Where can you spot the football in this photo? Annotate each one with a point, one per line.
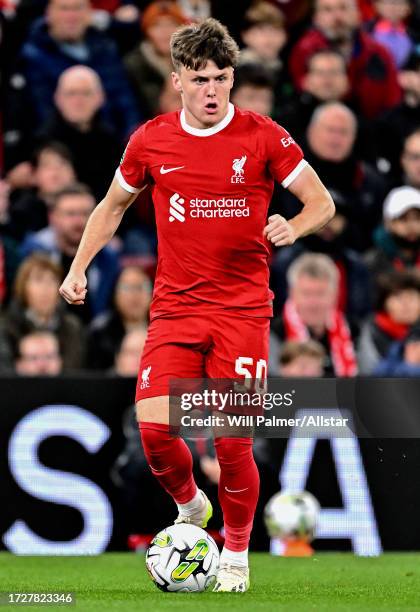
(182, 558)
(292, 516)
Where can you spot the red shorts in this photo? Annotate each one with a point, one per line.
(214, 345)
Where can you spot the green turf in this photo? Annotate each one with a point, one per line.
(332, 582)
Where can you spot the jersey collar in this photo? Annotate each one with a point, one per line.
(211, 130)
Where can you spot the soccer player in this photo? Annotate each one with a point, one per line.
(211, 167)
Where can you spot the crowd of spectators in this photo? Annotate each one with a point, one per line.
(343, 76)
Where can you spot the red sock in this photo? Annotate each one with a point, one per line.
(170, 460)
(238, 489)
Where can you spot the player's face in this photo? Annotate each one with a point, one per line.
(205, 93)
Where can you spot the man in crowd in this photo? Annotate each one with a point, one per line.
(397, 241)
(64, 38)
(371, 69)
(52, 170)
(330, 147)
(69, 214)
(94, 146)
(311, 312)
(396, 124)
(325, 80)
(39, 355)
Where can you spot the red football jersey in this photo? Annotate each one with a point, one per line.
(211, 191)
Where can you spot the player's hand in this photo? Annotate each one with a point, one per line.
(73, 289)
(279, 231)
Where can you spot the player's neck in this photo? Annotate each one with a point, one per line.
(192, 126)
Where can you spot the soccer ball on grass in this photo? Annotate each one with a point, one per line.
(182, 558)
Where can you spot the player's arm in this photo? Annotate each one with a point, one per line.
(318, 209)
(101, 226)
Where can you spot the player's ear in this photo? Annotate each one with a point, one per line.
(232, 78)
(176, 82)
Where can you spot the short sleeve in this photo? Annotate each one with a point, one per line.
(132, 171)
(285, 157)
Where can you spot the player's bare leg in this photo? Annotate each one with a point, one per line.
(171, 461)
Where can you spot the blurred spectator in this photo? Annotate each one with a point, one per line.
(325, 80)
(302, 359)
(195, 10)
(398, 239)
(311, 312)
(119, 19)
(367, 10)
(397, 309)
(295, 11)
(330, 149)
(395, 125)
(64, 38)
(9, 248)
(371, 69)
(169, 98)
(264, 36)
(410, 159)
(38, 355)
(53, 171)
(389, 28)
(403, 359)
(94, 146)
(253, 89)
(68, 216)
(36, 306)
(150, 64)
(127, 358)
(130, 310)
(354, 295)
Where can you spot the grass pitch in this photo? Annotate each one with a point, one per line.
(325, 582)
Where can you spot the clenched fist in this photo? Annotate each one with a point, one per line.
(279, 231)
(73, 289)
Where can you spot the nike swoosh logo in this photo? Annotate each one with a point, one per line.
(235, 490)
(164, 170)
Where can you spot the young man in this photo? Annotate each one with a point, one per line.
(212, 167)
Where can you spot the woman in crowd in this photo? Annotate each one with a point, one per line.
(132, 296)
(36, 306)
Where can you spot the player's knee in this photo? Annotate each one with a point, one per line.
(156, 441)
